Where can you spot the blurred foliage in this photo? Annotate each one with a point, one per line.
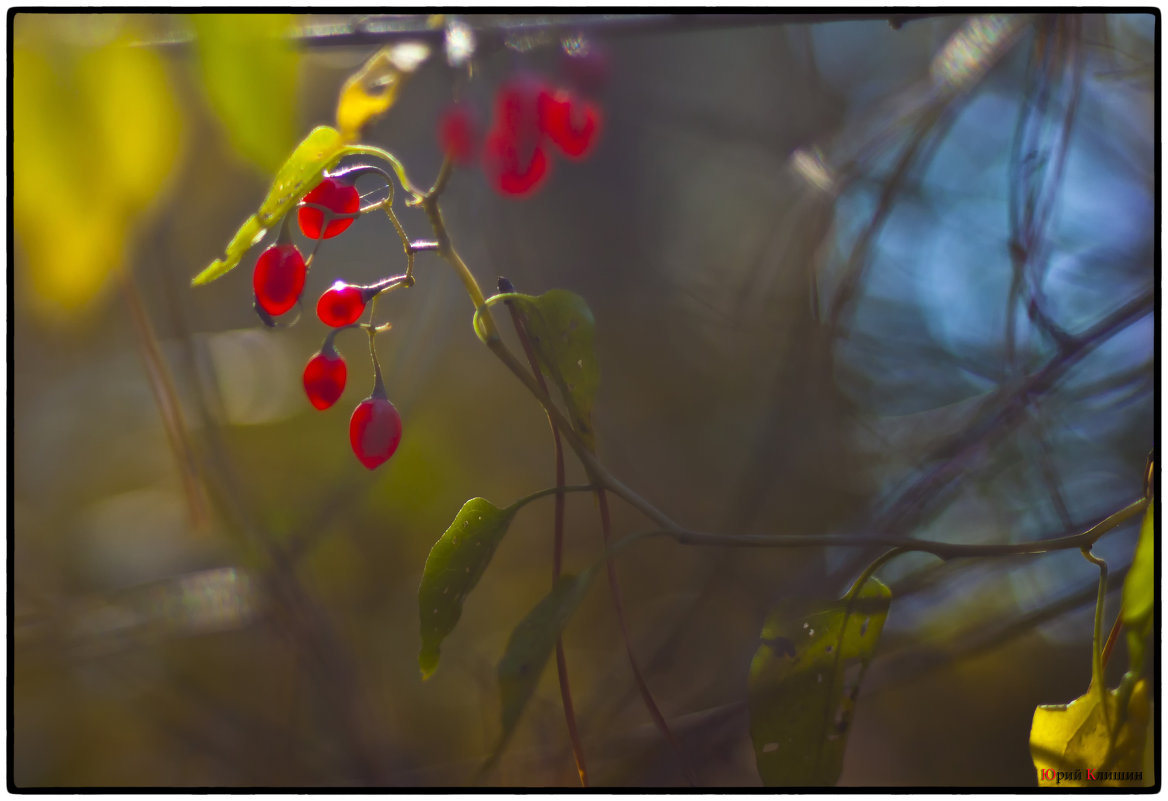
(802, 248)
(250, 72)
(804, 682)
(560, 327)
(98, 132)
(1139, 592)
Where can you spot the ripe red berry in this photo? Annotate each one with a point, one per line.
(458, 133)
(337, 195)
(510, 168)
(278, 278)
(375, 430)
(570, 121)
(341, 304)
(324, 378)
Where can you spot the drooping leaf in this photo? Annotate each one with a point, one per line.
(249, 70)
(453, 568)
(560, 326)
(301, 172)
(372, 90)
(1139, 592)
(1072, 744)
(530, 646)
(804, 681)
(96, 131)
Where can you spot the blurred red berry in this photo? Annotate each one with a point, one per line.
(375, 430)
(341, 304)
(324, 378)
(517, 109)
(571, 122)
(458, 133)
(278, 278)
(340, 197)
(511, 168)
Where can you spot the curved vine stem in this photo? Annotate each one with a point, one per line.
(604, 481)
(1098, 683)
(557, 541)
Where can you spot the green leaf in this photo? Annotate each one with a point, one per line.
(249, 69)
(301, 172)
(560, 326)
(1139, 592)
(804, 681)
(1068, 740)
(529, 647)
(453, 568)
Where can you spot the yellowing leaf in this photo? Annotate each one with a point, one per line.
(303, 170)
(96, 133)
(249, 70)
(372, 90)
(804, 681)
(1073, 745)
(1139, 591)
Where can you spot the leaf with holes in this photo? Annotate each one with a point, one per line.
(372, 90)
(453, 568)
(301, 172)
(1071, 744)
(560, 326)
(804, 681)
(1139, 592)
(529, 647)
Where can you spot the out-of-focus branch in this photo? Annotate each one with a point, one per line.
(496, 29)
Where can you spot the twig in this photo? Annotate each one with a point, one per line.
(557, 540)
(375, 30)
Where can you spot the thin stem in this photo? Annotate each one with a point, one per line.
(557, 545)
(942, 550)
(543, 493)
(379, 29)
(1112, 637)
(1097, 681)
(642, 686)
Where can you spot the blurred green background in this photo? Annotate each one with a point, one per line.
(210, 590)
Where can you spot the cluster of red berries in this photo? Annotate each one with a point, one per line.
(528, 114)
(375, 427)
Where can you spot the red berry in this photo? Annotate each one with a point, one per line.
(517, 109)
(324, 378)
(512, 169)
(375, 430)
(278, 278)
(570, 121)
(458, 133)
(341, 304)
(340, 197)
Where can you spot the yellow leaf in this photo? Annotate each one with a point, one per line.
(372, 90)
(1072, 745)
(96, 133)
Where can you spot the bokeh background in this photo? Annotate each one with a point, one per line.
(826, 262)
